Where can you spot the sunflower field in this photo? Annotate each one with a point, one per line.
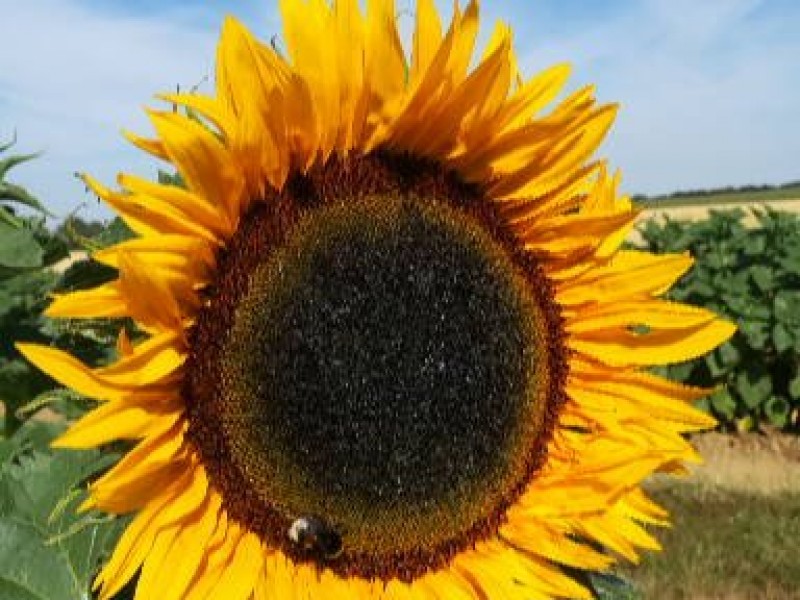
(751, 274)
(376, 335)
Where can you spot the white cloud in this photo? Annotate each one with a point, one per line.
(709, 90)
(72, 77)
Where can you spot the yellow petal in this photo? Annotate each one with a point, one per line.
(179, 253)
(658, 314)
(462, 105)
(154, 147)
(147, 587)
(175, 576)
(541, 539)
(385, 69)
(202, 160)
(130, 483)
(173, 210)
(239, 578)
(137, 539)
(150, 215)
(602, 405)
(124, 346)
(304, 25)
(555, 166)
(629, 275)
(427, 37)
(121, 419)
(625, 348)
(567, 235)
(70, 372)
(269, 108)
(349, 35)
(153, 361)
(103, 302)
(150, 300)
(532, 97)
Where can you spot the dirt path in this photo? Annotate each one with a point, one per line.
(765, 464)
(66, 263)
(695, 213)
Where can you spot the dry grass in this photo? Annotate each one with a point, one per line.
(699, 212)
(736, 533)
(724, 544)
(762, 464)
(752, 463)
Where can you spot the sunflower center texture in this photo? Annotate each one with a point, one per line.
(382, 385)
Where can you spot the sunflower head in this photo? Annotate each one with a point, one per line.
(392, 347)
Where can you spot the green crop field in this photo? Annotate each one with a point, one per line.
(724, 197)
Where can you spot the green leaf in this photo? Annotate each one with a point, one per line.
(703, 404)
(713, 361)
(43, 479)
(18, 194)
(782, 338)
(745, 424)
(7, 217)
(794, 387)
(116, 232)
(787, 306)
(36, 435)
(28, 564)
(64, 401)
(791, 265)
(12, 161)
(54, 248)
(723, 403)
(729, 354)
(7, 451)
(175, 179)
(19, 248)
(755, 332)
(754, 245)
(18, 384)
(85, 274)
(763, 277)
(680, 372)
(777, 411)
(12, 591)
(702, 289)
(746, 306)
(42, 490)
(754, 385)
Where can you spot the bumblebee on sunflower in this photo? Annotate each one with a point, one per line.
(394, 349)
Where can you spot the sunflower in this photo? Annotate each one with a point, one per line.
(392, 347)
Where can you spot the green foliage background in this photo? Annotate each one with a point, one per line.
(751, 275)
(48, 550)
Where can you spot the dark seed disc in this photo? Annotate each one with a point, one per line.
(385, 370)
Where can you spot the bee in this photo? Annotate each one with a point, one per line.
(313, 535)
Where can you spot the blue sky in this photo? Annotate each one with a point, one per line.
(709, 89)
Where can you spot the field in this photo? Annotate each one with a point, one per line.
(736, 517)
(735, 197)
(736, 524)
(701, 211)
(680, 209)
